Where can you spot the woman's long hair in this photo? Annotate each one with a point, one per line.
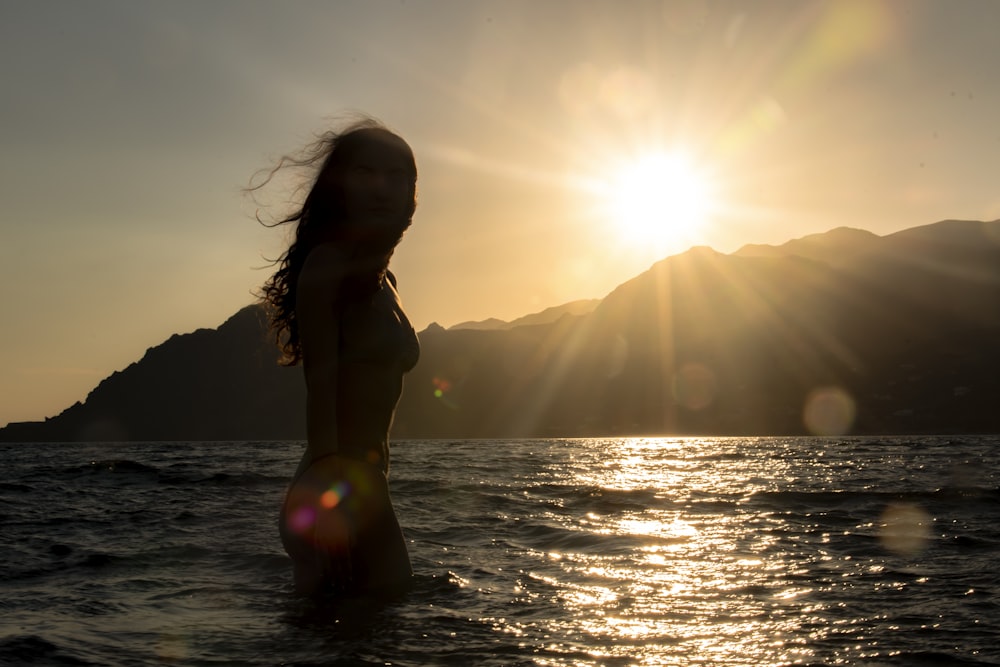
(321, 218)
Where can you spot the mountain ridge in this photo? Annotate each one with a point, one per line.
(899, 329)
(551, 314)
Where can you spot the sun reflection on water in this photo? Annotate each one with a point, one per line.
(671, 577)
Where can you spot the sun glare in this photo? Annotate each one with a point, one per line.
(659, 201)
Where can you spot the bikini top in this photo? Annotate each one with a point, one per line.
(376, 331)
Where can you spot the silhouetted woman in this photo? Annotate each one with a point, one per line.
(335, 308)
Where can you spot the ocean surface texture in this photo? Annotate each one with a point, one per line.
(645, 551)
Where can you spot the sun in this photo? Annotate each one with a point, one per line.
(658, 200)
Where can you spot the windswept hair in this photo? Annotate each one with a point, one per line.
(321, 218)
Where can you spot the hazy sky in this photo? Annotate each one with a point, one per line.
(130, 128)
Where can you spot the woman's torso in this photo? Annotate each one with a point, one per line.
(376, 346)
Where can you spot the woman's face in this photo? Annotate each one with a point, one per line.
(377, 186)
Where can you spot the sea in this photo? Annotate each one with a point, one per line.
(568, 552)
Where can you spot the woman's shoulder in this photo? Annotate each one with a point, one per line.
(324, 268)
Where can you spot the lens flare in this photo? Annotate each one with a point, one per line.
(172, 647)
(829, 411)
(905, 529)
(332, 496)
(442, 387)
(694, 386)
(302, 519)
(625, 92)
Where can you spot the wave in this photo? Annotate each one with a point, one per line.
(525, 553)
(843, 498)
(113, 466)
(32, 649)
(131, 471)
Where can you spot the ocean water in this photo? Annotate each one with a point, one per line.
(621, 551)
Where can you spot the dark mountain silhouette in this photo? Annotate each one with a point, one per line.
(488, 324)
(547, 316)
(832, 333)
(832, 247)
(220, 384)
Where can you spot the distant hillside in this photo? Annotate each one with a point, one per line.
(833, 247)
(547, 316)
(212, 384)
(837, 332)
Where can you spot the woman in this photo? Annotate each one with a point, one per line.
(335, 308)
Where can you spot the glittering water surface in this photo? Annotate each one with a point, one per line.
(649, 551)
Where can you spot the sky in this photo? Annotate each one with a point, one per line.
(129, 131)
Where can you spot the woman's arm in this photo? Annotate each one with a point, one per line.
(315, 310)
